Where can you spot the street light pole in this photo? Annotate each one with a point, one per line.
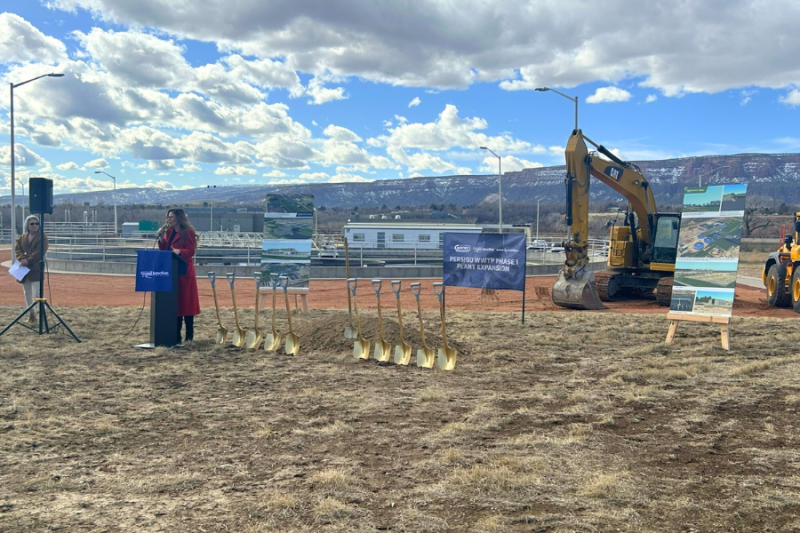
(537, 215)
(116, 228)
(573, 98)
(13, 86)
(499, 187)
(713, 170)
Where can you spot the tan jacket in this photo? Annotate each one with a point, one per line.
(32, 252)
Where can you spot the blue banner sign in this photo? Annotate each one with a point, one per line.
(153, 271)
(485, 260)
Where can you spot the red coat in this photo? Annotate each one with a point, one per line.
(186, 242)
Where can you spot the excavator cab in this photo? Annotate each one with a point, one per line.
(665, 243)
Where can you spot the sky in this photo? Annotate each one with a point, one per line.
(188, 93)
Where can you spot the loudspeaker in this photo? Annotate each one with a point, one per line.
(41, 195)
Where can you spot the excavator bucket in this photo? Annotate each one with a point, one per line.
(578, 291)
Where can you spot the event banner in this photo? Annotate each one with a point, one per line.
(708, 250)
(286, 247)
(485, 260)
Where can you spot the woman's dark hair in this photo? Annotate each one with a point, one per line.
(183, 220)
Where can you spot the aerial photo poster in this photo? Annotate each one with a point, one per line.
(286, 248)
(708, 250)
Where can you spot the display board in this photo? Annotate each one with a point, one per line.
(708, 250)
(286, 248)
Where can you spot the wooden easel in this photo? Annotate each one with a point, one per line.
(723, 321)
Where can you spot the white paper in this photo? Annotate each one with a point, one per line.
(18, 271)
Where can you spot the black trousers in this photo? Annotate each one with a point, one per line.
(189, 327)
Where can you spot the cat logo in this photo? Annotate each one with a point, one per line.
(613, 172)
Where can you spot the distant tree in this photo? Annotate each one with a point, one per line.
(322, 208)
(383, 207)
(397, 208)
(434, 207)
(750, 222)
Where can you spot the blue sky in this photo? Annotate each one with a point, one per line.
(185, 93)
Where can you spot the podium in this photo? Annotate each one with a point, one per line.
(157, 272)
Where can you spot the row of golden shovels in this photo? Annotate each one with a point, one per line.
(445, 356)
(252, 339)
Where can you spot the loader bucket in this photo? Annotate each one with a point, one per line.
(578, 291)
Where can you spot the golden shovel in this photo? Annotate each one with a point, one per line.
(253, 338)
(426, 355)
(402, 351)
(361, 345)
(272, 341)
(222, 331)
(292, 340)
(238, 333)
(350, 332)
(383, 350)
(445, 357)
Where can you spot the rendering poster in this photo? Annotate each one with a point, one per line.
(708, 250)
(286, 247)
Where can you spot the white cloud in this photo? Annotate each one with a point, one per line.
(415, 43)
(509, 164)
(415, 102)
(274, 174)
(339, 133)
(321, 94)
(237, 170)
(97, 163)
(609, 94)
(71, 165)
(650, 99)
(191, 167)
(23, 156)
(21, 42)
(792, 98)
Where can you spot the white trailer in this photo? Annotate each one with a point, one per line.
(405, 235)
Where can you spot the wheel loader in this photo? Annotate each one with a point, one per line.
(642, 251)
(781, 275)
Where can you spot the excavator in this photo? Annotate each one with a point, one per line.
(641, 252)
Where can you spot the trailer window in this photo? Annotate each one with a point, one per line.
(398, 237)
(358, 237)
(424, 238)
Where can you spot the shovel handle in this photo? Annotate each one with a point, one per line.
(415, 289)
(376, 286)
(285, 284)
(257, 279)
(438, 288)
(212, 277)
(274, 281)
(231, 278)
(352, 284)
(396, 284)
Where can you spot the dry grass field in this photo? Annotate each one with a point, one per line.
(576, 421)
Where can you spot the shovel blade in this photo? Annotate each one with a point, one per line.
(383, 352)
(577, 292)
(446, 358)
(350, 333)
(272, 342)
(402, 354)
(361, 349)
(426, 357)
(222, 334)
(253, 340)
(238, 337)
(292, 344)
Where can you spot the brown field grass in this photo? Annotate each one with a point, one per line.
(573, 422)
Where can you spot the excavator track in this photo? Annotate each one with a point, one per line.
(602, 279)
(664, 291)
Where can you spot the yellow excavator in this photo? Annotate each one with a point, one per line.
(781, 275)
(641, 252)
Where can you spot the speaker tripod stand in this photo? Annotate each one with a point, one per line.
(41, 302)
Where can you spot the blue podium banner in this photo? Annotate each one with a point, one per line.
(485, 260)
(153, 271)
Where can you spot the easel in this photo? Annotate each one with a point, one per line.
(723, 321)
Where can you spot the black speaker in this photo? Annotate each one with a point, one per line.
(40, 192)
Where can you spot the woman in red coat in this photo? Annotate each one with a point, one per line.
(179, 236)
